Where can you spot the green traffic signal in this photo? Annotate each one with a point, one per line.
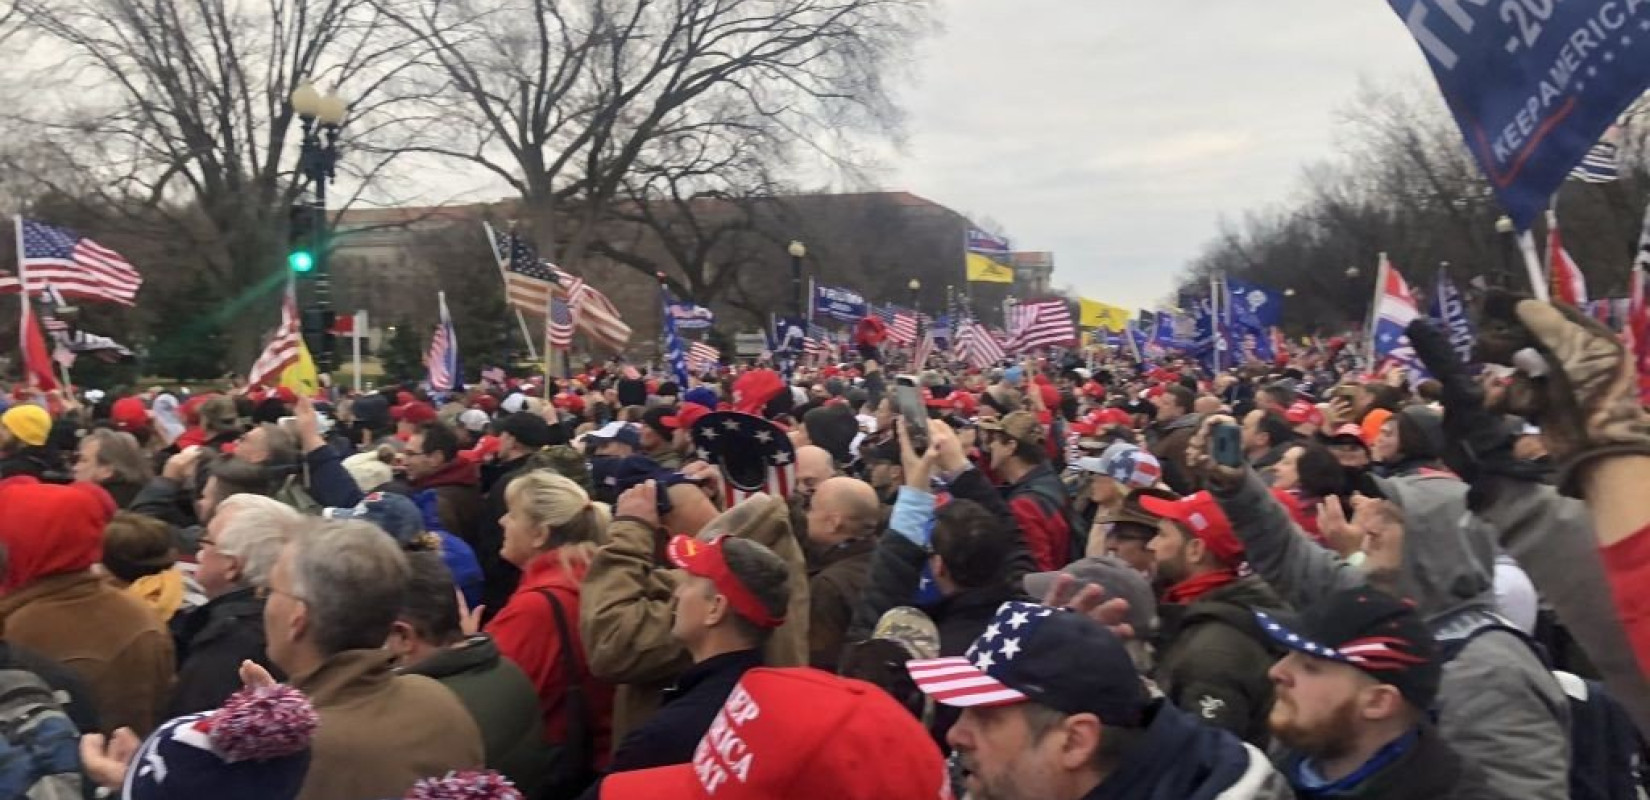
(300, 261)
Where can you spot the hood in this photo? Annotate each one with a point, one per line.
(50, 529)
(1449, 557)
(457, 472)
(1180, 759)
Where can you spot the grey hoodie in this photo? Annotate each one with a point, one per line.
(1499, 706)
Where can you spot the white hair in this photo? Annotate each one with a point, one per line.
(254, 530)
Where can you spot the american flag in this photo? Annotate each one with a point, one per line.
(925, 348)
(558, 329)
(977, 347)
(77, 266)
(282, 351)
(818, 343)
(527, 280)
(594, 314)
(903, 330)
(981, 242)
(753, 455)
(443, 358)
(1602, 164)
(702, 357)
(1041, 323)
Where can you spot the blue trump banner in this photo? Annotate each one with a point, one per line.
(1449, 308)
(674, 351)
(1254, 310)
(1533, 84)
(837, 303)
(689, 316)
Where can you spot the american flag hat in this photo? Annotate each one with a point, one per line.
(1372, 631)
(753, 455)
(1034, 653)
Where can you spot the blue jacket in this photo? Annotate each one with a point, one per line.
(1182, 759)
(689, 708)
(457, 554)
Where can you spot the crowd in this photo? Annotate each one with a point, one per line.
(1066, 580)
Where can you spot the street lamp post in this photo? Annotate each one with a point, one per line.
(321, 118)
(915, 286)
(798, 252)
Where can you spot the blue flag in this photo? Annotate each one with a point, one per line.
(1533, 84)
(675, 353)
(1450, 308)
(1255, 310)
(845, 305)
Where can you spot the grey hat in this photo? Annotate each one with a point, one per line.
(1114, 576)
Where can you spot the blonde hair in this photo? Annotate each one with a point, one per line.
(577, 525)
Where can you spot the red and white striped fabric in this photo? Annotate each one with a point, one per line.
(76, 265)
(1041, 323)
(702, 357)
(1569, 285)
(925, 348)
(958, 683)
(594, 314)
(903, 330)
(977, 347)
(282, 351)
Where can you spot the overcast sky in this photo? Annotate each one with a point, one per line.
(1119, 134)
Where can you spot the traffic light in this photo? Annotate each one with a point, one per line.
(301, 239)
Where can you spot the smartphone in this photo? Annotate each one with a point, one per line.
(908, 404)
(1226, 445)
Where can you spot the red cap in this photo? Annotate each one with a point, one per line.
(1099, 419)
(964, 403)
(570, 402)
(801, 734)
(753, 390)
(1094, 389)
(129, 414)
(191, 408)
(705, 560)
(1348, 429)
(686, 414)
(403, 398)
(1202, 517)
(487, 403)
(1304, 411)
(414, 413)
(285, 395)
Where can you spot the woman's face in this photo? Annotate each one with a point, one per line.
(1385, 450)
(1286, 475)
(522, 539)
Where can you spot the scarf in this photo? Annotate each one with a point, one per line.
(1189, 590)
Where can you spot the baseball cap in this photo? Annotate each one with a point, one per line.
(414, 413)
(29, 423)
(474, 420)
(1033, 653)
(660, 419)
(1303, 412)
(686, 414)
(394, 514)
(622, 432)
(1109, 573)
(1371, 630)
(129, 414)
(706, 560)
(1203, 518)
(800, 734)
(1348, 433)
(1126, 464)
(702, 395)
(753, 390)
(1099, 419)
(911, 629)
(1021, 426)
(531, 430)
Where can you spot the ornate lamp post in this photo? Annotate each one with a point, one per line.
(321, 118)
(798, 252)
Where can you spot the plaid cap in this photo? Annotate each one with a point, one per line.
(1033, 653)
(1021, 426)
(1373, 631)
(1201, 516)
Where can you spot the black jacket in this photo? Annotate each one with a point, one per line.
(1180, 759)
(211, 643)
(32, 461)
(499, 576)
(1427, 768)
(1213, 657)
(687, 711)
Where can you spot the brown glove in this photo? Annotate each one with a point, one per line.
(1588, 402)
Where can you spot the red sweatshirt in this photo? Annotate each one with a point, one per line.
(1627, 563)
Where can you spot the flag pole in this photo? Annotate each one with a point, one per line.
(1375, 310)
(1216, 335)
(22, 293)
(358, 328)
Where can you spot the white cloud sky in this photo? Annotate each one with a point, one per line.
(1119, 134)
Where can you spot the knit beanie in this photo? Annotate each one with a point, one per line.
(256, 747)
(468, 785)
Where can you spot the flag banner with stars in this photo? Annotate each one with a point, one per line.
(77, 266)
(527, 280)
(979, 678)
(1378, 653)
(1533, 85)
(753, 455)
(1394, 309)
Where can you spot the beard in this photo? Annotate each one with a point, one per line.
(1330, 737)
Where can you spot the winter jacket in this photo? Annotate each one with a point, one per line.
(841, 575)
(870, 332)
(31, 461)
(526, 633)
(1038, 501)
(625, 613)
(1551, 538)
(211, 643)
(380, 732)
(329, 483)
(124, 492)
(499, 577)
(1498, 705)
(1181, 759)
(456, 487)
(1168, 441)
(686, 711)
(1425, 767)
(503, 703)
(166, 500)
(1213, 660)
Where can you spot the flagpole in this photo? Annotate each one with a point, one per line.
(1215, 337)
(22, 293)
(358, 328)
(1374, 311)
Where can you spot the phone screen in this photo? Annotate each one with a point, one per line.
(908, 402)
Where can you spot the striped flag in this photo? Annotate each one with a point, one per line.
(1041, 323)
(593, 313)
(925, 348)
(1568, 284)
(977, 347)
(527, 280)
(442, 361)
(558, 329)
(903, 330)
(283, 350)
(702, 358)
(818, 344)
(76, 265)
(1602, 164)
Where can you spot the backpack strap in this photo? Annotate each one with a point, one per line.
(580, 728)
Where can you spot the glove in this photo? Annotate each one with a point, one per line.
(1587, 402)
(1479, 441)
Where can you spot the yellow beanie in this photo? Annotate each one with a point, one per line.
(28, 423)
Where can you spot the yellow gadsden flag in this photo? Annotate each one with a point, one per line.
(300, 377)
(1095, 314)
(985, 269)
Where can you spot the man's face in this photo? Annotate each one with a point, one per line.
(216, 572)
(1001, 759)
(1132, 550)
(1351, 456)
(1315, 710)
(810, 473)
(1251, 431)
(817, 393)
(885, 475)
(694, 599)
(253, 447)
(1386, 443)
(286, 616)
(1000, 448)
(1168, 408)
(651, 440)
(1168, 550)
(420, 462)
(86, 467)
